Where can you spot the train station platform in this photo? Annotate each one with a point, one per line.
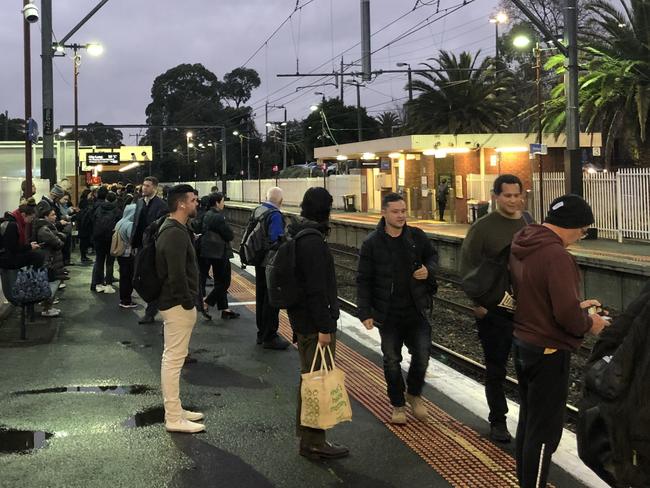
(89, 396)
(631, 254)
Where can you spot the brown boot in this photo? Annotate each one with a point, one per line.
(418, 406)
(399, 416)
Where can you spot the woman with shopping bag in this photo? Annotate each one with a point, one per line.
(313, 320)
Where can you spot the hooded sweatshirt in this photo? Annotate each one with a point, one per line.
(546, 282)
(125, 225)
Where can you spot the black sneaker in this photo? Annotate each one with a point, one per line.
(499, 433)
(277, 343)
(328, 450)
(147, 319)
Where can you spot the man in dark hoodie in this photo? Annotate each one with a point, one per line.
(550, 322)
(395, 281)
(105, 216)
(313, 319)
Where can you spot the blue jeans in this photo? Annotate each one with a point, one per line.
(414, 331)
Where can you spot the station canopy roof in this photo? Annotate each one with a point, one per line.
(429, 142)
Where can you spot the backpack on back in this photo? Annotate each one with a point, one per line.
(489, 284)
(103, 224)
(145, 275)
(284, 289)
(3, 228)
(255, 243)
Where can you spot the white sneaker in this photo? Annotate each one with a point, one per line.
(192, 416)
(109, 289)
(52, 312)
(61, 286)
(184, 425)
(99, 288)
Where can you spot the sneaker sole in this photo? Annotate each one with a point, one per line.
(183, 431)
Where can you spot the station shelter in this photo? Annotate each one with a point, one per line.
(414, 166)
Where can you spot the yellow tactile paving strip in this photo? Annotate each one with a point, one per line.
(455, 451)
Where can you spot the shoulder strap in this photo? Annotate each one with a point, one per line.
(306, 232)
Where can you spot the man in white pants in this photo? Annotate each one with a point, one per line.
(176, 266)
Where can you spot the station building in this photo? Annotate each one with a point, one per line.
(414, 165)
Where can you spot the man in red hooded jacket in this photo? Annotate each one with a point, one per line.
(16, 249)
(550, 322)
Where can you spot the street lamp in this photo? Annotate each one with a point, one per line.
(499, 18)
(94, 49)
(189, 144)
(410, 87)
(521, 42)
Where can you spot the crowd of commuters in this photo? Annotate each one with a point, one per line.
(543, 319)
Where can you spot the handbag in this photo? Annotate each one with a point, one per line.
(118, 246)
(325, 401)
(32, 286)
(489, 284)
(211, 245)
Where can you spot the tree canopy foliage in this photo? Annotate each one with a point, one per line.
(462, 94)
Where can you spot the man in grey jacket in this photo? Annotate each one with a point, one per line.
(176, 266)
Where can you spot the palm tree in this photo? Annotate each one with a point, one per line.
(462, 95)
(614, 92)
(388, 122)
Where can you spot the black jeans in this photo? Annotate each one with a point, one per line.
(543, 390)
(441, 209)
(103, 260)
(84, 244)
(266, 316)
(222, 275)
(495, 333)
(306, 350)
(126, 278)
(414, 331)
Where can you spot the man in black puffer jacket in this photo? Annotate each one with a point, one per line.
(313, 319)
(395, 281)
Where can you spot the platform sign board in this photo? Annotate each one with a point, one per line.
(103, 158)
(538, 149)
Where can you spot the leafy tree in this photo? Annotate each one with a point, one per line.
(11, 129)
(614, 89)
(97, 134)
(462, 95)
(238, 85)
(388, 123)
(337, 125)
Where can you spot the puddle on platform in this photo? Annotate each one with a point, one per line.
(22, 441)
(111, 390)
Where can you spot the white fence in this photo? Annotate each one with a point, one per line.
(294, 188)
(620, 201)
(479, 187)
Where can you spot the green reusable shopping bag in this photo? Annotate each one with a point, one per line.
(325, 401)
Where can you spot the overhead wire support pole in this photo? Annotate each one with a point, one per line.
(365, 40)
(83, 21)
(28, 103)
(572, 159)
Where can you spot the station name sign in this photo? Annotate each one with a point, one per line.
(110, 158)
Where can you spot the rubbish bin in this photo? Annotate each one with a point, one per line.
(482, 209)
(348, 203)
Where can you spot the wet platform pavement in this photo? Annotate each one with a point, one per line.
(92, 394)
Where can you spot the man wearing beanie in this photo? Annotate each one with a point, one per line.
(550, 323)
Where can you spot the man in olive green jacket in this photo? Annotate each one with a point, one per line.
(176, 267)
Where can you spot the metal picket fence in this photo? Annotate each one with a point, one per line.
(620, 201)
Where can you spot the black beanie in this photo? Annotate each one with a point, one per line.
(570, 212)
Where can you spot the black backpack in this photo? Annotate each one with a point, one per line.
(145, 276)
(489, 284)
(255, 242)
(3, 228)
(284, 289)
(103, 223)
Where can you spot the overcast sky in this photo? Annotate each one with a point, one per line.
(144, 38)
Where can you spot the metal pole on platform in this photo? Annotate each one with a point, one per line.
(28, 103)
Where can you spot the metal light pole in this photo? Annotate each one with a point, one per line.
(500, 18)
(538, 76)
(76, 60)
(28, 103)
(259, 177)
